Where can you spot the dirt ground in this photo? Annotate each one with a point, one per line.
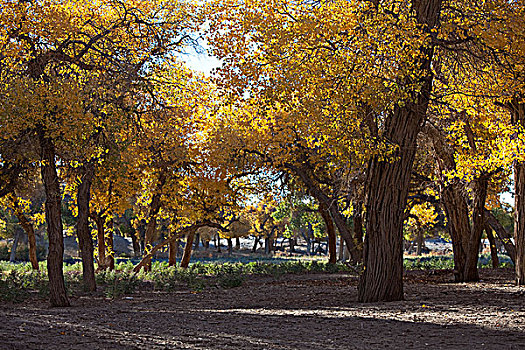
(310, 311)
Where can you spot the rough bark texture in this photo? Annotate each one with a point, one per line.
(470, 272)
(459, 227)
(173, 248)
(330, 229)
(493, 248)
(186, 256)
(152, 218)
(518, 118)
(388, 182)
(55, 258)
(85, 242)
(100, 221)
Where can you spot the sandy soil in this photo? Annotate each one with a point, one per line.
(294, 312)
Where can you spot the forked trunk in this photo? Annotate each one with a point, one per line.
(85, 242)
(55, 257)
(388, 181)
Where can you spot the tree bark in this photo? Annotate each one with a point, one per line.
(151, 225)
(173, 248)
(230, 246)
(237, 243)
(30, 231)
(493, 248)
(186, 256)
(388, 181)
(85, 242)
(502, 234)
(135, 243)
(12, 256)
(330, 229)
(470, 273)
(100, 221)
(55, 257)
(518, 118)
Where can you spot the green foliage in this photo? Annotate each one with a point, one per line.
(117, 283)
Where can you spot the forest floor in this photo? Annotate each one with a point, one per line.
(310, 311)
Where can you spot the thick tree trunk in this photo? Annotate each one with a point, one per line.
(420, 241)
(458, 225)
(186, 256)
(517, 108)
(470, 273)
(230, 246)
(256, 242)
(173, 248)
(152, 219)
(237, 243)
(330, 229)
(519, 222)
(493, 247)
(55, 257)
(388, 181)
(85, 242)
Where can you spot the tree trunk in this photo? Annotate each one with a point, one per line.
(470, 273)
(100, 221)
(502, 234)
(197, 241)
(186, 256)
(354, 248)
(237, 243)
(388, 181)
(12, 256)
(30, 231)
(135, 243)
(341, 247)
(291, 241)
(173, 248)
(85, 241)
(330, 229)
(254, 249)
(420, 241)
(493, 248)
(218, 243)
(152, 218)
(230, 246)
(55, 257)
(518, 118)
